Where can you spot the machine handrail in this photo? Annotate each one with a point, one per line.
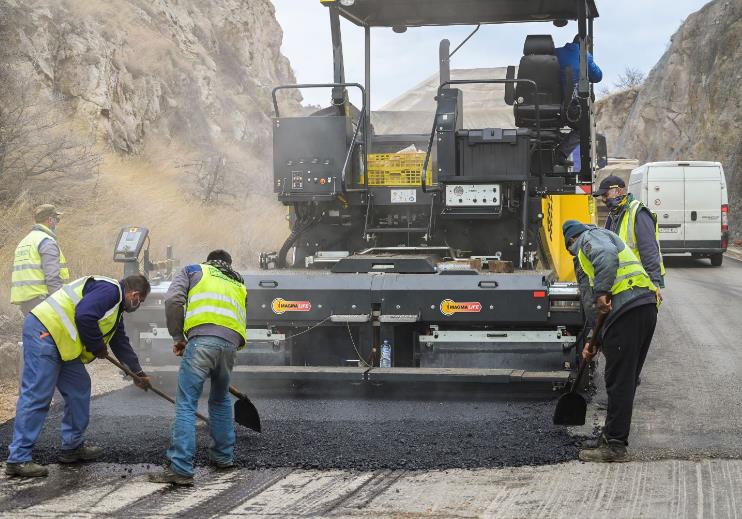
(361, 121)
(483, 81)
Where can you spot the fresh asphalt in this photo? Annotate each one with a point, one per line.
(431, 457)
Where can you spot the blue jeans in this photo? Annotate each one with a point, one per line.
(205, 357)
(43, 370)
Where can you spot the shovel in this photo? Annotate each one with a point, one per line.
(572, 406)
(245, 412)
(152, 388)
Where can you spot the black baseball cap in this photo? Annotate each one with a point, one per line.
(609, 183)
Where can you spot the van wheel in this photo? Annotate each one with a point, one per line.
(716, 260)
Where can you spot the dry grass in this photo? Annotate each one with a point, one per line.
(143, 192)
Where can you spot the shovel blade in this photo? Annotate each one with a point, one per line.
(570, 410)
(246, 414)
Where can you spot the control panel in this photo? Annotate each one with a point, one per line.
(308, 157)
(311, 176)
(129, 244)
(473, 195)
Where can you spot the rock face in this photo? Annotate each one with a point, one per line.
(197, 72)
(690, 104)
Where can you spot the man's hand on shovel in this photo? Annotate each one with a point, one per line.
(141, 380)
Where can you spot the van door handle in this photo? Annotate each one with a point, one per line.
(268, 284)
(693, 215)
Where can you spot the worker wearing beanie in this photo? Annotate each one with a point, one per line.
(613, 278)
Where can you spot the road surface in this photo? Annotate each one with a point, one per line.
(466, 459)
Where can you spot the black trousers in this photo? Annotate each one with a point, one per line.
(625, 346)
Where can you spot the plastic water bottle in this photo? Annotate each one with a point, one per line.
(386, 354)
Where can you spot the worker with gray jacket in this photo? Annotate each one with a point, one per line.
(613, 278)
(39, 267)
(205, 308)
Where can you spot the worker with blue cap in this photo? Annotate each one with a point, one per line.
(614, 283)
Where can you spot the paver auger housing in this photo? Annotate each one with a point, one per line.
(443, 243)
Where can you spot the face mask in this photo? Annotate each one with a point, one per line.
(615, 202)
(573, 249)
(131, 307)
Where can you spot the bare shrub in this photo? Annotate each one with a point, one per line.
(35, 138)
(631, 78)
(214, 176)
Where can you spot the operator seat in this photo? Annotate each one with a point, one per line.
(539, 64)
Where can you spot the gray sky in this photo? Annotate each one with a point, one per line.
(628, 33)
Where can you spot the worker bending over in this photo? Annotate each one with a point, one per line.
(39, 267)
(206, 316)
(70, 328)
(635, 224)
(623, 291)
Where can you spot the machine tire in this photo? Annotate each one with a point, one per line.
(716, 259)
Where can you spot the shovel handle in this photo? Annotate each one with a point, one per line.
(593, 341)
(236, 392)
(152, 388)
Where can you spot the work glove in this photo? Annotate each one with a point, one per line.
(179, 348)
(142, 381)
(102, 353)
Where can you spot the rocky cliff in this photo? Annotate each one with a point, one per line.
(690, 104)
(193, 72)
(160, 92)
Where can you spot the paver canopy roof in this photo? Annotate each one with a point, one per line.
(413, 13)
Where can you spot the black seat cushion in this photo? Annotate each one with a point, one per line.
(539, 64)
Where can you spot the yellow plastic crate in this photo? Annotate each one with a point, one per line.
(397, 169)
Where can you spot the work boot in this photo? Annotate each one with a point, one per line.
(168, 476)
(593, 443)
(220, 465)
(84, 452)
(607, 451)
(28, 469)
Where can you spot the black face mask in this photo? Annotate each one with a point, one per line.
(130, 307)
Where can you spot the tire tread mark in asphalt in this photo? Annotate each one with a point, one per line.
(365, 493)
(54, 486)
(247, 484)
(150, 504)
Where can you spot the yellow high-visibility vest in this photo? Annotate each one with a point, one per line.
(630, 272)
(217, 299)
(627, 230)
(28, 281)
(57, 314)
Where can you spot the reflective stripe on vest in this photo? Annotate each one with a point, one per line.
(57, 314)
(28, 280)
(627, 230)
(217, 299)
(630, 272)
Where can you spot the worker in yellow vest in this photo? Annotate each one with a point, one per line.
(72, 327)
(635, 224)
(613, 278)
(39, 267)
(205, 308)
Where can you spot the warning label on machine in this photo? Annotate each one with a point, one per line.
(450, 307)
(280, 305)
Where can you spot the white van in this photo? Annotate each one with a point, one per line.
(691, 203)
